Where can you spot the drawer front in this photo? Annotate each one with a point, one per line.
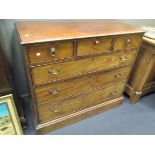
(58, 109)
(50, 51)
(127, 42)
(92, 46)
(59, 71)
(62, 89)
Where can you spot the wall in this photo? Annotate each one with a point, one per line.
(14, 54)
(138, 22)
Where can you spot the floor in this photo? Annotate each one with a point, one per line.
(126, 119)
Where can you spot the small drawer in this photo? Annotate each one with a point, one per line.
(127, 42)
(50, 51)
(79, 85)
(54, 110)
(93, 46)
(64, 70)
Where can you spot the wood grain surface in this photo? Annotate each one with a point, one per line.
(76, 68)
(92, 98)
(75, 86)
(54, 30)
(46, 74)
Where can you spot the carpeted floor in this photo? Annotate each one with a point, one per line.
(126, 119)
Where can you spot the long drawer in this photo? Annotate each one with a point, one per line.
(58, 109)
(63, 89)
(63, 70)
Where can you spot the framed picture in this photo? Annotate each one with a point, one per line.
(9, 120)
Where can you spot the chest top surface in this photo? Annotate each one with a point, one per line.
(54, 30)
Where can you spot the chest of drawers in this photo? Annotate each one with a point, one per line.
(76, 68)
(142, 78)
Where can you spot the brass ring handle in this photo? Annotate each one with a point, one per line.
(54, 71)
(55, 91)
(113, 92)
(56, 110)
(52, 51)
(124, 57)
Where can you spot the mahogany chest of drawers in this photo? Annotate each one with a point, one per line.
(142, 78)
(76, 68)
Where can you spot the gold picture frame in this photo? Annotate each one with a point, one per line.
(9, 120)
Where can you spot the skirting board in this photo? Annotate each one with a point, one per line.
(69, 119)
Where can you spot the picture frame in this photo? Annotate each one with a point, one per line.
(9, 120)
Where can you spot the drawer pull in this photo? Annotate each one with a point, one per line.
(52, 51)
(55, 91)
(97, 42)
(118, 75)
(124, 57)
(54, 71)
(113, 92)
(128, 41)
(56, 110)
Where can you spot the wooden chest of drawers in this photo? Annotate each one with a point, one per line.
(142, 79)
(76, 68)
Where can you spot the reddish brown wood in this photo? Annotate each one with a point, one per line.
(68, 88)
(93, 46)
(80, 102)
(49, 73)
(98, 48)
(53, 30)
(43, 52)
(77, 116)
